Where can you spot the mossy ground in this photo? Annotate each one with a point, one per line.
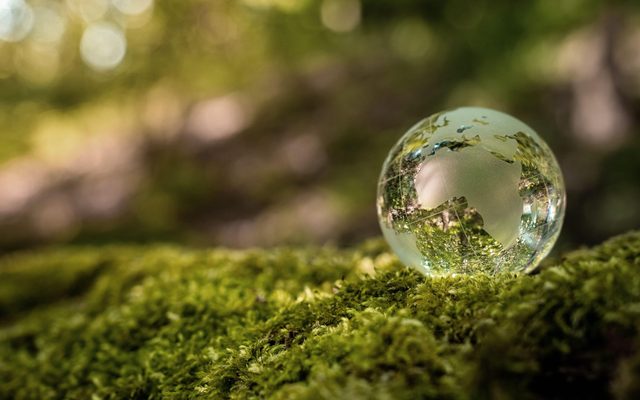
(169, 322)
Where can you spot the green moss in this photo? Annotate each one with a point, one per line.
(169, 322)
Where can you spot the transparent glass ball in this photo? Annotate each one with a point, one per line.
(471, 190)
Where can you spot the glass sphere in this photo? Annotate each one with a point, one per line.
(471, 190)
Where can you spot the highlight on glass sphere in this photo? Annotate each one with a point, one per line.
(471, 190)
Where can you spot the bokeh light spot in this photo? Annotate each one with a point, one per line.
(133, 7)
(16, 20)
(89, 10)
(341, 15)
(103, 46)
(49, 26)
(411, 39)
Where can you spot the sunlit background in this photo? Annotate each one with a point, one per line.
(263, 122)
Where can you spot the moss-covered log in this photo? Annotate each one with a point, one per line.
(168, 322)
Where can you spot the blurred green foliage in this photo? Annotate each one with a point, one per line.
(258, 122)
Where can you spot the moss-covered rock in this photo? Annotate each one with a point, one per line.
(168, 322)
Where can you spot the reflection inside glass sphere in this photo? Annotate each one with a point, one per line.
(471, 190)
